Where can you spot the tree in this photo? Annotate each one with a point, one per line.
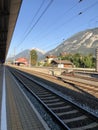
(33, 57)
(80, 60)
(89, 61)
(75, 58)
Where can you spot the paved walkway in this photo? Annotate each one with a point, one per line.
(20, 114)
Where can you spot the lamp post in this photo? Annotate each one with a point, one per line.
(97, 60)
(14, 55)
(30, 59)
(60, 65)
(59, 58)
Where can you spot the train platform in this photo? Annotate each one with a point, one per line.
(16, 110)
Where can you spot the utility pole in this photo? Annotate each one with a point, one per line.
(14, 54)
(60, 65)
(97, 59)
(30, 59)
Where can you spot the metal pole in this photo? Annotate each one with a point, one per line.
(60, 65)
(97, 59)
(14, 54)
(29, 59)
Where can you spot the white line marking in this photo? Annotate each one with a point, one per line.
(33, 107)
(3, 108)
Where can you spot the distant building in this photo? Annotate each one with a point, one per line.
(64, 53)
(97, 59)
(49, 58)
(21, 61)
(62, 63)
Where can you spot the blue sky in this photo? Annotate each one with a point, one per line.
(45, 28)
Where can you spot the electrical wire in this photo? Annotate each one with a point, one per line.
(80, 13)
(34, 25)
(90, 6)
(75, 16)
(37, 12)
(42, 14)
(59, 18)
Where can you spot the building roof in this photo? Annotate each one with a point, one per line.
(50, 56)
(62, 62)
(9, 10)
(22, 59)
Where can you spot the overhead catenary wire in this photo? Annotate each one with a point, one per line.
(81, 13)
(27, 33)
(92, 5)
(33, 18)
(59, 18)
(75, 16)
(34, 25)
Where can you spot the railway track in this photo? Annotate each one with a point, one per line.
(40, 74)
(83, 77)
(86, 84)
(80, 86)
(68, 114)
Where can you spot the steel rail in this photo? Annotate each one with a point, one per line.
(48, 103)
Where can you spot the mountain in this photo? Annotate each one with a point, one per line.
(84, 42)
(39, 51)
(26, 54)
